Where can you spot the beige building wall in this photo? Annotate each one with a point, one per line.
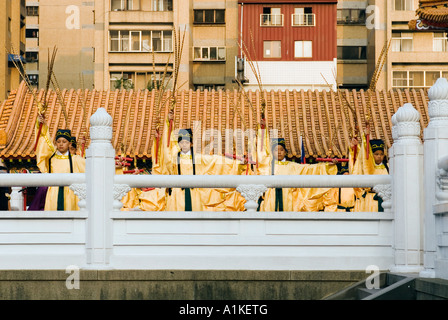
(32, 42)
(140, 66)
(69, 26)
(216, 74)
(415, 59)
(12, 35)
(83, 32)
(352, 38)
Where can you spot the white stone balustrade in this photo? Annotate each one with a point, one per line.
(407, 171)
(415, 197)
(435, 148)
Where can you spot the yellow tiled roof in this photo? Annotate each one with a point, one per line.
(314, 115)
(432, 15)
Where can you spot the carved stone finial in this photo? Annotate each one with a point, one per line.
(407, 113)
(407, 123)
(438, 104)
(101, 125)
(439, 91)
(101, 118)
(394, 127)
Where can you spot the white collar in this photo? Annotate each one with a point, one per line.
(188, 153)
(60, 154)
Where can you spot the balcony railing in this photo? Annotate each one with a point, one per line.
(303, 20)
(271, 20)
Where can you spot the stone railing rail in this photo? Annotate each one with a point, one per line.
(411, 233)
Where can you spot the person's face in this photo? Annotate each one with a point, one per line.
(279, 153)
(72, 149)
(184, 145)
(62, 145)
(378, 156)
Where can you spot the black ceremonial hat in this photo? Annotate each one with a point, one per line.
(377, 144)
(64, 133)
(185, 134)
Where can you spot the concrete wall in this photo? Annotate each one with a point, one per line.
(174, 284)
(68, 25)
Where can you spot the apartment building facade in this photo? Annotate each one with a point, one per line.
(68, 26)
(352, 44)
(12, 35)
(415, 59)
(292, 44)
(128, 43)
(203, 34)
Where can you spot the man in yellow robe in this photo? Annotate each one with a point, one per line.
(56, 158)
(340, 199)
(272, 161)
(131, 200)
(346, 199)
(375, 163)
(178, 157)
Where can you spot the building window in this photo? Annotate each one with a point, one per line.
(32, 11)
(209, 16)
(32, 33)
(34, 79)
(209, 87)
(303, 17)
(272, 49)
(271, 17)
(402, 41)
(400, 79)
(440, 42)
(32, 57)
(209, 53)
(162, 5)
(431, 78)
(416, 79)
(124, 5)
(404, 5)
(139, 80)
(352, 52)
(303, 49)
(122, 80)
(351, 16)
(140, 41)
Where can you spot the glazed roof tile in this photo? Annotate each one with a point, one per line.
(136, 114)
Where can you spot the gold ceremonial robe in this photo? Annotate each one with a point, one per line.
(202, 199)
(154, 199)
(293, 199)
(59, 164)
(369, 199)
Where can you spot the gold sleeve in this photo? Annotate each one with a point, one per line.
(263, 151)
(45, 147)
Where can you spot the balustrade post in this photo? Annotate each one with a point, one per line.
(435, 147)
(16, 201)
(251, 192)
(100, 170)
(407, 186)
